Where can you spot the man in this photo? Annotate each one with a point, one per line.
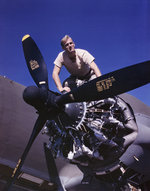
(79, 63)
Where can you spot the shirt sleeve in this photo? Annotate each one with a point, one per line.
(59, 60)
(87, 57)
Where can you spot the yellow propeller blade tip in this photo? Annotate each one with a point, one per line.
(25, 37)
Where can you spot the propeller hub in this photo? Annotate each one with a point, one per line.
(35, 96)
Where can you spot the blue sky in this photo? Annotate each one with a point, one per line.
(115, 32)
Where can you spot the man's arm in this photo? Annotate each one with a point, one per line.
(57, 81)
(95, 68)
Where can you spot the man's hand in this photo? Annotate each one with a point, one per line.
(65, 89)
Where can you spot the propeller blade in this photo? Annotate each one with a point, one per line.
(35, 62)
(108, 85)
(52, 169)
(37, 128)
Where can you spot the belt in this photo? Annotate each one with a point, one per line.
(86, 76)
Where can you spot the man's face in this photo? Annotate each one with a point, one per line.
(69, 46)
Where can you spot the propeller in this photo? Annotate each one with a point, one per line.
(32, 95)
(108, 85)
(49, 103)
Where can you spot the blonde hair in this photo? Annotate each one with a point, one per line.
(64, 39)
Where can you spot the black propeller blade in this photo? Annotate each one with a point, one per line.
(35, 62)
(52, 169)
(37, 128)
(38, 71)
(111, 84)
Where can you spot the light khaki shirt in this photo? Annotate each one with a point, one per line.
(80, 67)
